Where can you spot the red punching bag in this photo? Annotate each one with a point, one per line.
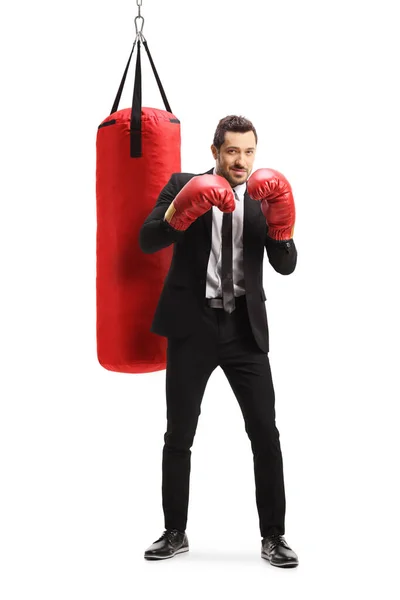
(137, 150)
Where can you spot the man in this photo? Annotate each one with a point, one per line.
(212, 311)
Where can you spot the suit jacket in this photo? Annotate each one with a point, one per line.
(182, 297)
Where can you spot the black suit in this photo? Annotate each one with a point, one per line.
(181, 300)
(200, 338)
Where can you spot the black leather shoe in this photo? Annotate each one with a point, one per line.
(170, 543)
(275, 549)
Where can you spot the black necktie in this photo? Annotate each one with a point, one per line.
(228, 297)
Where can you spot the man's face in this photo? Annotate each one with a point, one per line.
(235, 158)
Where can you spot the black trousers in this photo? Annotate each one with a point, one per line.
(224, 340)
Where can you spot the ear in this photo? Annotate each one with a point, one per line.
(214, 151)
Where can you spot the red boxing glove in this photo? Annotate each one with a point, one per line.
(196, 198)
(277, 202)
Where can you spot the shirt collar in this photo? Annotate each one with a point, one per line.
(239, 189)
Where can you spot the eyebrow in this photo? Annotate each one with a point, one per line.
(237, 148)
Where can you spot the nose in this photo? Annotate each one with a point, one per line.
(240, 162)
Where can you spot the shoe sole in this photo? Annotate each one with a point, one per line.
(155, 557)
(287, 564)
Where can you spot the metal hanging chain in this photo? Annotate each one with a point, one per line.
(139, 33)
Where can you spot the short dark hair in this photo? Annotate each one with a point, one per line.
(232, 123)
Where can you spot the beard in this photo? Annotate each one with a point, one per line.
(234, 180)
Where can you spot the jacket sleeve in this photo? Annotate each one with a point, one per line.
(282, 254)
(155, 233)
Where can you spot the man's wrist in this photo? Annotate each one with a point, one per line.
(169, 212)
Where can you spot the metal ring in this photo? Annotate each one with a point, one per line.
(141, 29)
(140, 37)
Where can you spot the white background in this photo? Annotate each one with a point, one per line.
(81, 446)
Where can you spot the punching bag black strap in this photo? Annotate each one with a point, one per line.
(136, 112)
(121, 85)
(135, 130)
(160, 87)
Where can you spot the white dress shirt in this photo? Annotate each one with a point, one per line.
(213, 286)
